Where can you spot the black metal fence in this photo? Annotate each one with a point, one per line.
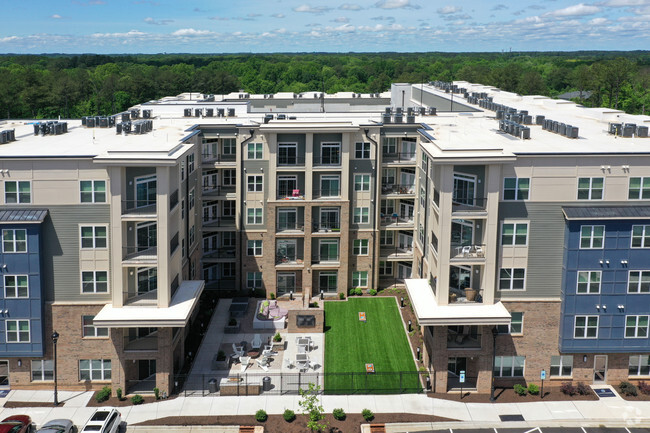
(290, 383)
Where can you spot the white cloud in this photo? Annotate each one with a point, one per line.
(312, 9)
(396, 4)
(598, 21)
(580, 9)
(446, 10)
(129, 34)
(9, 39)
(624, 3)
(341, 20)
(278, 15)
(154, 22)
(56, 16)
(499, 7)
(350, 7)
(192, 32)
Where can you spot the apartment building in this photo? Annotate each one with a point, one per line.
(521, 242)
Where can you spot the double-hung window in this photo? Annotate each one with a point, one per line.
(641, 236)
(516, 188)
(636, 326)
(190, 163)
(42, 370)
(639, 188)
(18, 191)
(362, 150)
(255, 151)
(362, 182)
(255, 183)
(512, 279)
(253, 280)
(360, 247)
(590, 188)
(585, 327)
(17, 331)
(90, 330)
(254, 247)
(360, 279)
(254, 215)
(591, 237)
(514, 233)
(509, 366)
(16, 286)
(638, 282)
(94, 369)
(361, 215)
(94, 282)
(516, 325)
(588, 282)
(92, 191)
(93, 237)
(561, 366)
(639, 365)
(14, 241)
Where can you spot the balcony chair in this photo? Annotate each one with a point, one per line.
(256, 343)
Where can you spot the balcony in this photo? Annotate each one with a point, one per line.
(223, 283)
(469, 206)
(326, 227)
(397, 189)
(325, 194)
(467, 253)
(465, 296)
(139, 209)
(173, 200)
(397, 221)
(136, 255)
(218, 190)
(327, 161)
(218, 158)
(132, 297)
(288, 259)
(141, 344)
(220, 253)
(290, 194)
(291, 161)
(400, 158)
(292, 227)
(463, 337)
(326, 259)
(396, 253)
(221, 222)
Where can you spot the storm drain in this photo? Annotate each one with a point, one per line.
(511, 417)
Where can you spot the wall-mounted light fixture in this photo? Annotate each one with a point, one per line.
(584, 358)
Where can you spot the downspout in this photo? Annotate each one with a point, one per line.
(375, 271)
(242, 176)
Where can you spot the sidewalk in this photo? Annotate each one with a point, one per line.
(609, 411)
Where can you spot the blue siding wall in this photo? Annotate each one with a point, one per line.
(613, 290)
(30, 308)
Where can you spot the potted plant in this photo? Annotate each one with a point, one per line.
(232, 327)
(220, 361)
(470, 294)
(277, 342)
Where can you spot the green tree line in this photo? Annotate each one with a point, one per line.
(70, 86)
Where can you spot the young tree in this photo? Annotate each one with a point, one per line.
(312, 408)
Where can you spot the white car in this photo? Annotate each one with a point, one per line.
(57, 426)
(104, 420)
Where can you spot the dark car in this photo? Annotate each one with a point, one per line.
(16, 424)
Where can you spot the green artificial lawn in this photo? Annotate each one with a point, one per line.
(381, 340)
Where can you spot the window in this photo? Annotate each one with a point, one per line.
(386, 238)
(16, 286)
(253, 280)
(183, 209)
(255, 151)
(361, 215)
(514, 233)
(360, 247)
(182, 170)
(18, 191)
(255, 183)
(191, 236)
(638, 282)
(190, 163)
(191, 199)
(94, 282)
(388, 176)
(147, 280)
(639, 365)
(329, 250)
(228, 208)
(287, 185)
(515, 188)
(362, 150)
(362, 182)
(562, 366)
(516, 325)
(509, 366)
(287, 153)
(423, 197)
(590, 188)
(93, 191)
(591, 237)
(327, 281)
(387, 208)
(254, 215)
(588, 282)
(512, 279)
(636, 326)
(42, 370)
(94, 369)
(229, 269)
(17, 331)
(93, 237)
(639, 188)
(329, 185)
(14, 241)
(640, 236)
(385, 268)
(360, 279)
(389, 146)
(228, 147)
(586, 327)
(229, 177)
(254, 248)
(89, 330)
(330, 153)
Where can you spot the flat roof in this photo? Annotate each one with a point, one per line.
(429, 313)
(24, 216)
(606, 212)
(176, 315)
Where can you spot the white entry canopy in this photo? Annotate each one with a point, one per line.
(429, 313)
(175, 316)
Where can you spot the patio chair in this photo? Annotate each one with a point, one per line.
(479, 251)
(245, 360)
(466, 250)
(238, 351)
(257, 342)
(303, 365)
(267, 352)
(288, 363)
(263, 365)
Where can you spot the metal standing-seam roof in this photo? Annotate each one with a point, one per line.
(606, 212)
(28, 215)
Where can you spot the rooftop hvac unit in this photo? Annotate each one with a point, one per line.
(466, 95)
(562, 129)
(432, 111)
(525, 133)
(574, 132)
(146, 114)
(499, 114)
(198, 112)
(409, 111)
(268, 118)
(399, 110)
(103, 122)
(209, 112)
(387, 110)
(11, 133)
(539, 119)
(523, 112)
(615, 128)
(315, 95)
(111, 121)
(135, 113)
(527, 120)
(83, 121)
(410, 118)
(231, 112)
(37, 128)
(118, 128)
(282, 116)
(186, 112)
(292, 117)
(386, 118)
(3, 137)
(220, 112)
(90, 122)
(354, 95)
(137, 128)
(629, 130)
(422, 111)
(126, 127)
(126, 116)
(397, 118)
(642, 132)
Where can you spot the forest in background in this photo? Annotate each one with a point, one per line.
(71, 86)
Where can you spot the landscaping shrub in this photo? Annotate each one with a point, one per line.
(137, 399)
(118, 391)
(221, 356)
(339, 414)
(104, 394)
(341, 296)
(367, 414)
(261, 415)
(583, 389)
(277, 337)
(627, 388)
(520, 389)
(644, 387)
(156, 393)
(568, 388)
(533, 389)
(372, 292)
(232, 322)
(272, 296)
(289, 415)
(358, 291)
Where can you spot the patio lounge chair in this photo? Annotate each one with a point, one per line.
(263, 365)
(466, 250)
(245, 360)
(257, 342)
(238, 351)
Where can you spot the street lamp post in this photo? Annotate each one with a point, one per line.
(55, 338)
(494, 359)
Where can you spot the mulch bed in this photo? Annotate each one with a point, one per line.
(15, 404)
(639, 397)
(277, 424)
(114, 402)
(508, 395)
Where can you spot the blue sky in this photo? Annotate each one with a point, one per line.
(218, 26)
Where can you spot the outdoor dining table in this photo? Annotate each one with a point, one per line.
(304, 342)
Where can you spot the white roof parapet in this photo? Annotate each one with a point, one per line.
(429, 313)
(176, 315)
